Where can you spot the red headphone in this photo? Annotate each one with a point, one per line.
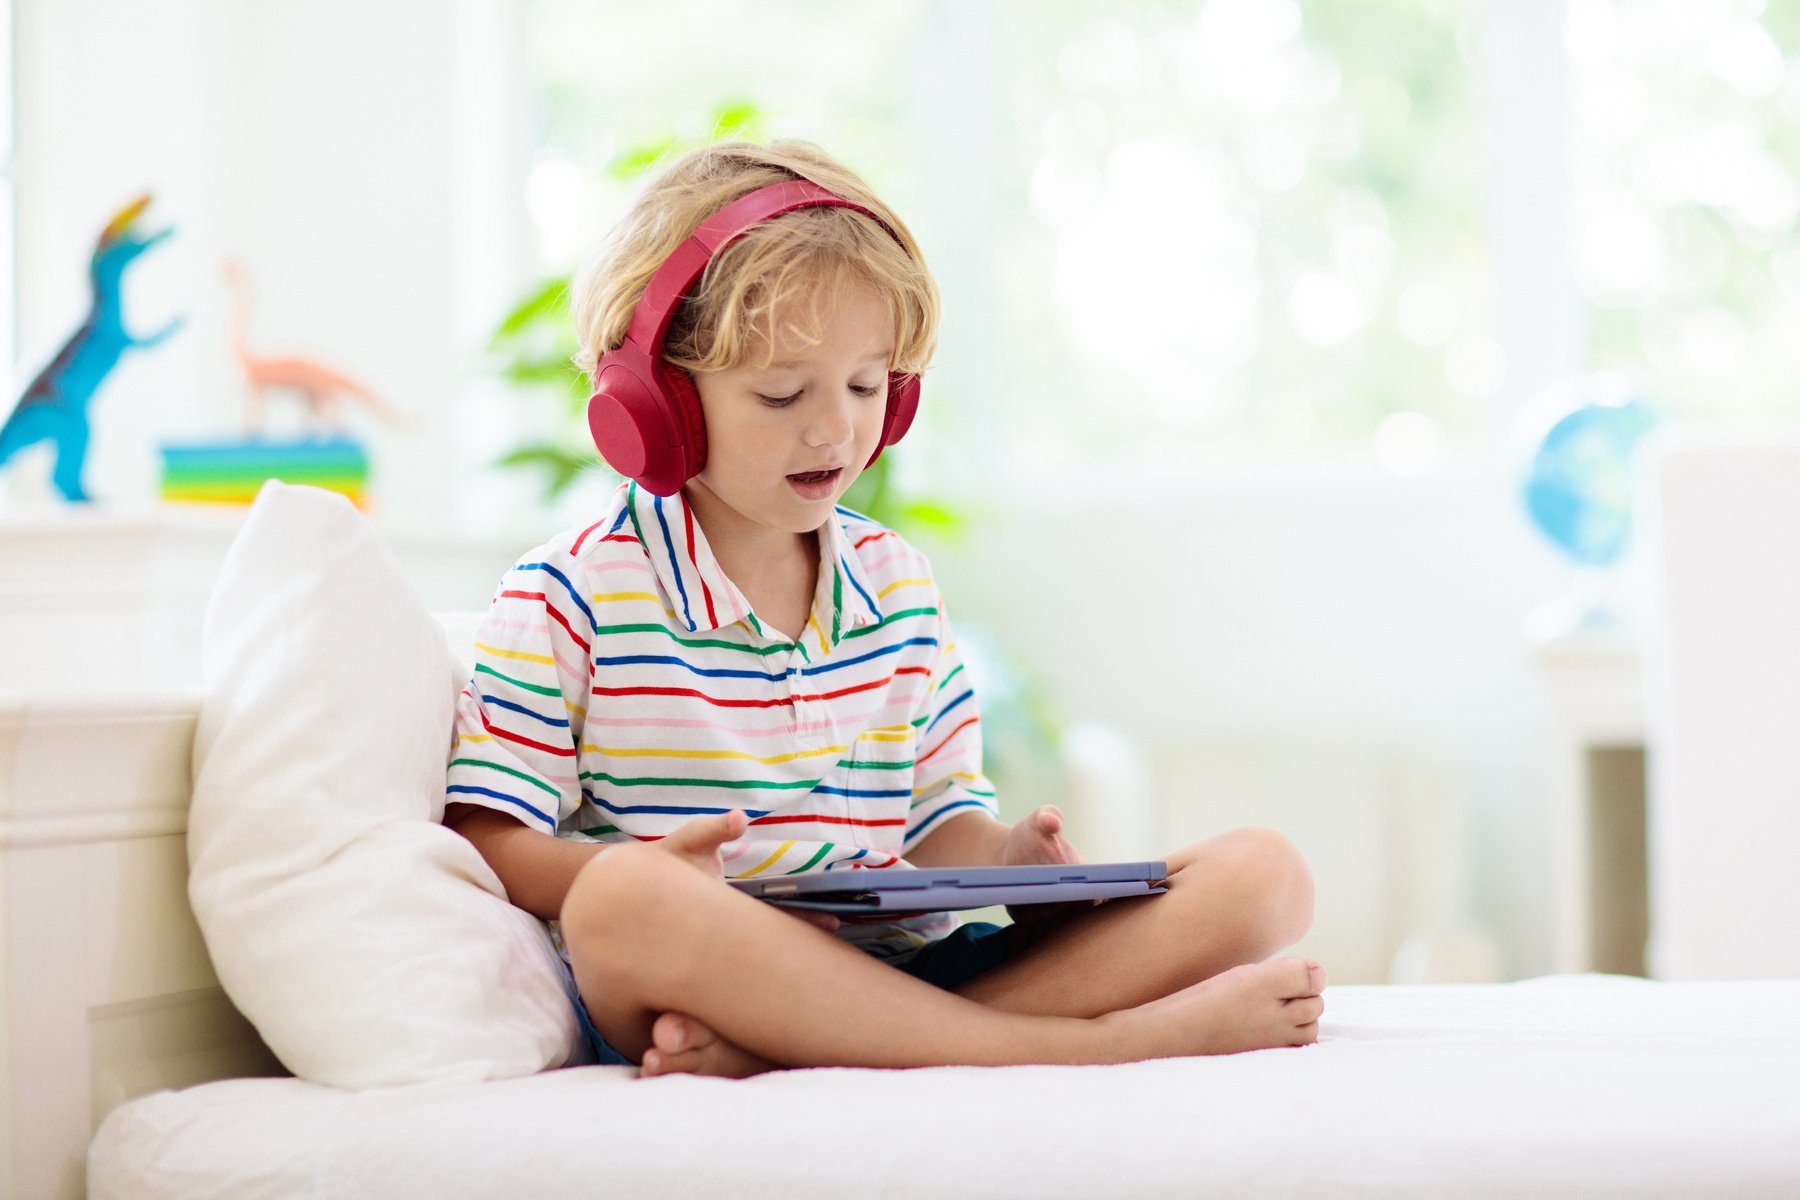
(645, 413)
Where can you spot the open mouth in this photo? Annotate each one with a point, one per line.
(816, 485)
(816, 476)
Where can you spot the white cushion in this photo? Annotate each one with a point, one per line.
(368, 944)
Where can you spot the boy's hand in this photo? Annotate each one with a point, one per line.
(697, 843)
(1039, 839)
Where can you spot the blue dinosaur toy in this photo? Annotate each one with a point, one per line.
(55, 406)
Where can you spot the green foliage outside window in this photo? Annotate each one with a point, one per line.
(1254, 224)
(1685, 128)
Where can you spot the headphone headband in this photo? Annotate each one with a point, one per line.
(655, 310)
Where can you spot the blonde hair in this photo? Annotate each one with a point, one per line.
(810, 254)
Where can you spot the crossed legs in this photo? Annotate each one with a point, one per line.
(1185, 973)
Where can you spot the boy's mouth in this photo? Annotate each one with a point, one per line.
(815, 485)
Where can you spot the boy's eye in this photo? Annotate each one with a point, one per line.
(864, 390)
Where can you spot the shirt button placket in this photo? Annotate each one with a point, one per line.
(782, 663)
(804, 738)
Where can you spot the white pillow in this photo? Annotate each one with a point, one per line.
(367, 943)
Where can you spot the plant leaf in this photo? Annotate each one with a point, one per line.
(931, 515)
(556, 371)
(549, 302)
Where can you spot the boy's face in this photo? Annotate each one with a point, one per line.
(785, 441)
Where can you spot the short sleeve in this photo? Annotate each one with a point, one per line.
(519, 721)
(947, 776)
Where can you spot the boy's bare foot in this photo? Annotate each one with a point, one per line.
(684, 1045)
(1251, 1007)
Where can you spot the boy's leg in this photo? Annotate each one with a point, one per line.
(649, 933)
(1247, 893)
(1234, 898)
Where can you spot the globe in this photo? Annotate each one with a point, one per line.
(1582, 437)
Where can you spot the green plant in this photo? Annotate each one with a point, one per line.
(535, 347)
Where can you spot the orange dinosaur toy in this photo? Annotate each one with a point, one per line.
(322, 388)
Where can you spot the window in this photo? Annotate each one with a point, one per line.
(1684, 138)
(1235, 228)
(1180, 235)
(615, 83)
(1252, 224)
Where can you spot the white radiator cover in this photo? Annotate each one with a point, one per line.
(98, 600)
(1384, 830)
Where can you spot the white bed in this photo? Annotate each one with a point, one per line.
(1563, 1087)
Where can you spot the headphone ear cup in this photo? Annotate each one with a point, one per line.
(645, 420)
(902, 407)
(683, 399)
(625, 418)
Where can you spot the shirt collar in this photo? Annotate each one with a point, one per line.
(703, 597)
(845, 595)
(699, 592)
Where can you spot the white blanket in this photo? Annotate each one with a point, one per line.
(1562, 1087)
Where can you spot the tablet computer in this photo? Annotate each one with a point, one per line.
(853, 891)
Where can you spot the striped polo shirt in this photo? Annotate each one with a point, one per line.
(623, 684)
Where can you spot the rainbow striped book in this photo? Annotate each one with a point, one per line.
(230, 472)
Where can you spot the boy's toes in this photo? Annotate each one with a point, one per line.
(1305, 1010)
(684, 1045)
(1301, 977)
(675, 1032)
(657, 1063)
(718, 1058)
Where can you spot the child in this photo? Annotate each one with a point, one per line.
(728, 675)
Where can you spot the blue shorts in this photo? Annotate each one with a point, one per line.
(965, 953)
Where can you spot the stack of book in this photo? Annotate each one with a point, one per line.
(231, 472)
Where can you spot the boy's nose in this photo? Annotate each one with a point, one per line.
(831, 424)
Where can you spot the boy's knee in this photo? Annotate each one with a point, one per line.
(1277, 870)
(625, 913)
(1268, 875)
(609, 899)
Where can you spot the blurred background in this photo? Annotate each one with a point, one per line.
(1250, 309)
